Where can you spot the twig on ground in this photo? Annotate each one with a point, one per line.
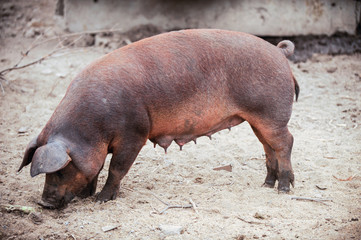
(346, 179)
(23, 55)
(168, 206)
(55, 50)
(175, 206)
(165, 203)
(321, 188)
(129, 189)
(193, 205)
(348, 97)
(53, 87)
(60, 46)
(66, 36)
(320, 200)
(250, 222)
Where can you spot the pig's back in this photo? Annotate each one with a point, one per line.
(190, 83)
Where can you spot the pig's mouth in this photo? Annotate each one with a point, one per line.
(50, 203)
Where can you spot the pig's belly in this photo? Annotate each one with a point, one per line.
(185, 126)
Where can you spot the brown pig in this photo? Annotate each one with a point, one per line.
(173, 86)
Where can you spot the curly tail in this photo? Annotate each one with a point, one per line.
(287, 47)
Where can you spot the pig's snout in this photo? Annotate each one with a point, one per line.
(56, 193)
(54, 202)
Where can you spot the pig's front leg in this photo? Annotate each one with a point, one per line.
(124, 154)
(90, 189)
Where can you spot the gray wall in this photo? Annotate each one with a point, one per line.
(260, 17)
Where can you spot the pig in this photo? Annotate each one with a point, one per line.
(175, 86)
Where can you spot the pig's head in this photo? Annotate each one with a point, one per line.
(63, 180)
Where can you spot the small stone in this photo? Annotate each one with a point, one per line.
(240, 237)
(331, 69)
(36, 218)
(109, 228)
(22, 130)
(227, 168)
(258, 216)
(171, 229)
(61, 75)
(198, 180)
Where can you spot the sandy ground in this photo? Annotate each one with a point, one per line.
(326, 124)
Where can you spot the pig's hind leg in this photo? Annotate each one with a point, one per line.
(277, 142)
(271, 161)
(124, 152)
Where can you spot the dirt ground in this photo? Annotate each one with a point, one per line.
(326, 124)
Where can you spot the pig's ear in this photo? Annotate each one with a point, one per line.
(29, 153)
(49, 158)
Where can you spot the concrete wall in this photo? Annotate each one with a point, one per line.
(260, 17)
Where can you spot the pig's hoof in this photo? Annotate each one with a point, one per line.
(285, 179)
(269, 183)
(271, 178)
(105, 196)
(283, 189)
(284, 186)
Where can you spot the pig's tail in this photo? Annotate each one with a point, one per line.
(287, 47)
